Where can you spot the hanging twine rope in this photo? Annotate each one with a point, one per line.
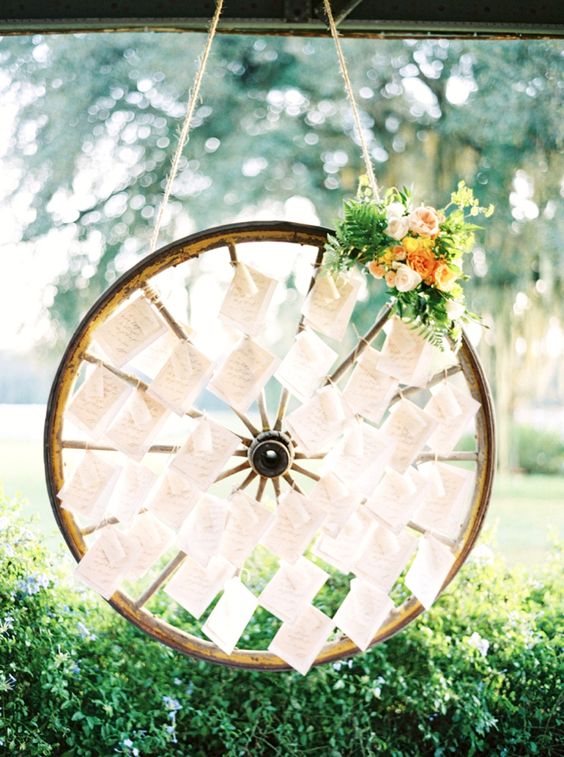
(354, 107)
(193, 97)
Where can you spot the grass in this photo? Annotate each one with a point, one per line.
(523, 512)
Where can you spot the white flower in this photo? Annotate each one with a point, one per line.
(482, 645)
(397, 227)
(454, 309)
(406, 278)
(395, 210)
(482, 554)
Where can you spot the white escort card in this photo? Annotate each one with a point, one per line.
(105, 564)
(369, 391)
(384, 556)
(247, 299)
(296, 521)
(318, 422)
(243, 374)
(200, 536)
(246, 523)
(149, 541)
(330, 303)
(291, 588)
(360, 458)
(406, 355)
(97, 401)
(230, 616)
(453, 410)
(336, 500)
(195, 587)
(446, 514)
(127, 333)
(300, 642)
(137, 425)
(174, 498)
(343, 550)
(132, 490)
(306, 365)
(88, 491)
(395, 499)
(182, 378)
(429, 570)
(409, 427)
(363, 611)
(205, 452)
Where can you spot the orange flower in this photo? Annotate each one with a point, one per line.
(399, 252)
(422, 260)
(391, 278)
(444, 277)
(376, 269)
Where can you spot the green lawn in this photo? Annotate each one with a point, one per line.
(523, 512)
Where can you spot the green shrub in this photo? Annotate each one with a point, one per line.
(478, 674)
(540, 451)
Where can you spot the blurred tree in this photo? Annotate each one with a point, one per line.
(98, 114)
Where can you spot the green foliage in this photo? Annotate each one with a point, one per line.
(477, 675)
(540, 451)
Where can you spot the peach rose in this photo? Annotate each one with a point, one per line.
(391, 278)
(406, 278)
(376, 269)
(399, 252)
(422, 260)
(424, 221)
(397, 228)
(444, 277)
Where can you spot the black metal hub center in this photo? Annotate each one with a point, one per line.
(270, 454)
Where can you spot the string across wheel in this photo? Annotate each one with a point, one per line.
(253, 499)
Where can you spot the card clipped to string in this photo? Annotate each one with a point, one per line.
(149, 539)
(131, 492)
(395, 499)
(130, 331)
(342, 551)
(200, 536)
(362, 612)
(248, 298)
(173, 498)
(182, 378)
(230, 616)
(330, 303)
(296, 521)
(247, 520)
(243, 374)
(338, 503)
(205, 452)
(384, 556)
(195, 586)
(369, 390)
(137, 425)
(292, 588)
(106, 562)
(87, 493)
(298, 643)
(406, 355)
(429, 570)
(453, 410)
(97, 401)
(305, 367)
(409, 428)
(445, 514)
(317, 423)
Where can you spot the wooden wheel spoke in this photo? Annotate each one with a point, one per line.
(277, 488)
(246, 422)
(232, 471)
(298, 469)
(263, 411)
(98, 526)
(409, 391)
(290, 480)
(425, 457)
(251, 477)
(161, 579)
(154, 298)
(261, 487)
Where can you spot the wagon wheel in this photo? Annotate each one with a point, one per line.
(267, 457)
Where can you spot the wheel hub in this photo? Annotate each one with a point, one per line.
(271, 454)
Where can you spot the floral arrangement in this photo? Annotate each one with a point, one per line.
(417, 251)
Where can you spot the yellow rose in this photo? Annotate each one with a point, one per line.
(444, 277)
